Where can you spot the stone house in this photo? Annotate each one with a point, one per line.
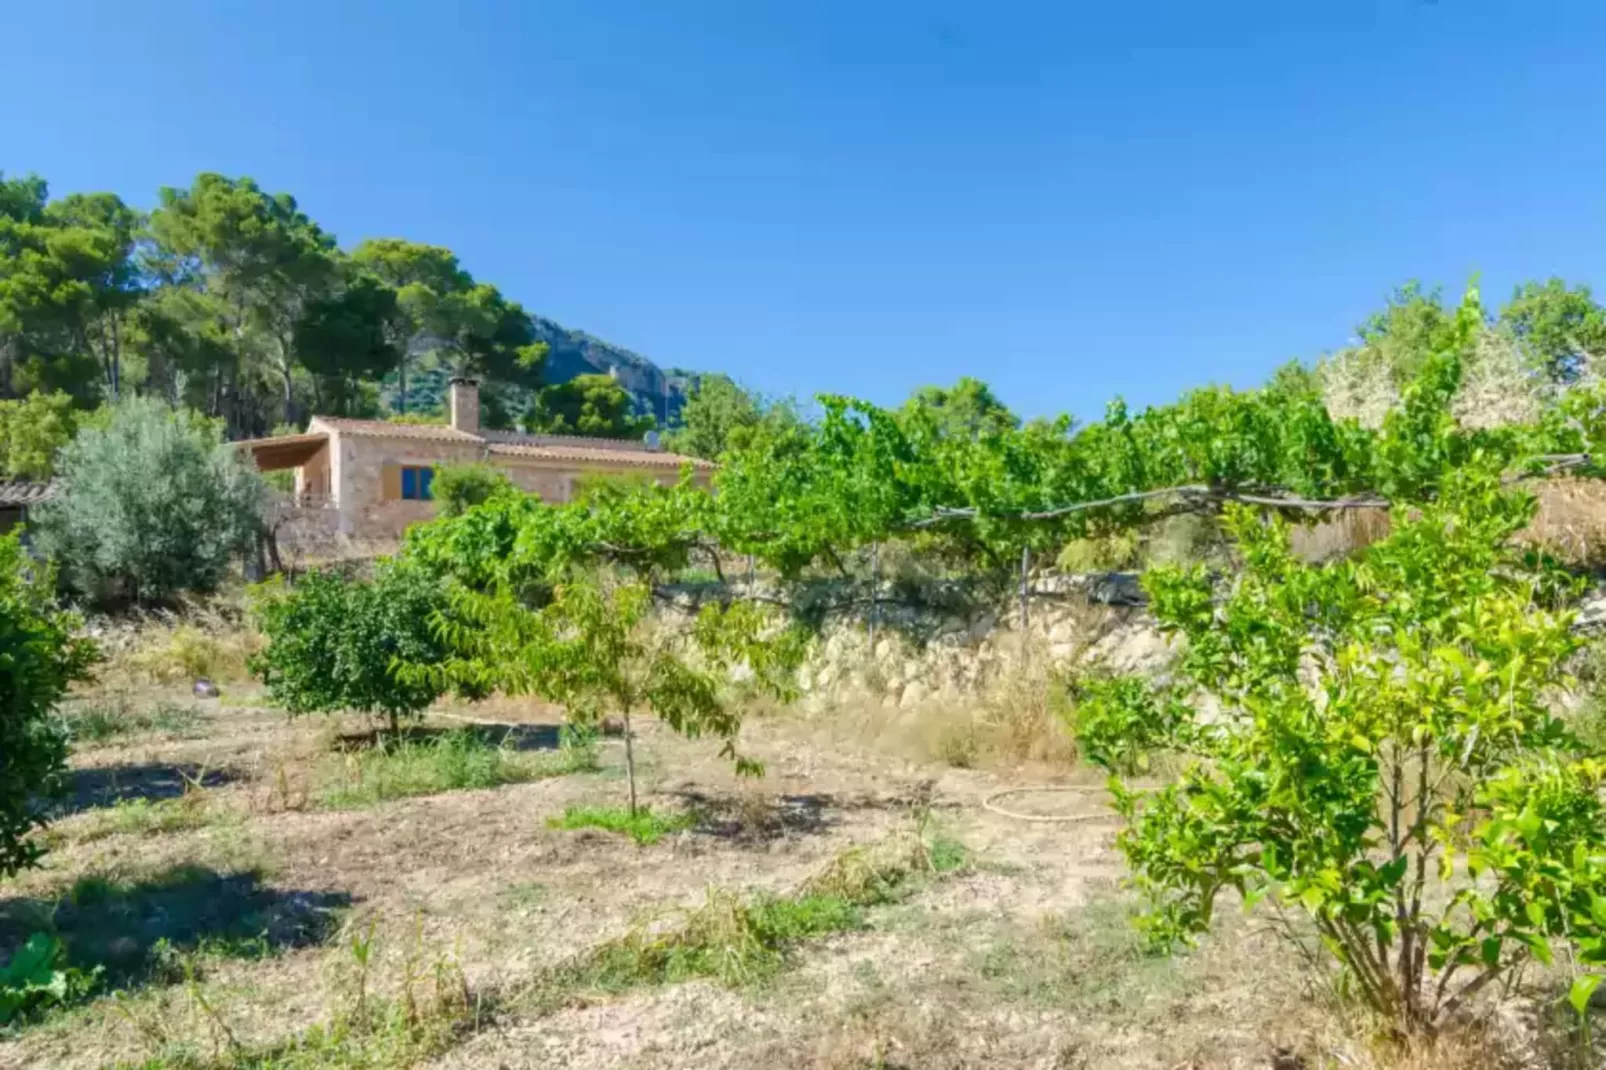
(369, 479)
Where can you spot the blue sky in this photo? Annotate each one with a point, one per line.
(1068, 200)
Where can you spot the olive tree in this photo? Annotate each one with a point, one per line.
(1381, 754)
(39, 658)
(152, 503)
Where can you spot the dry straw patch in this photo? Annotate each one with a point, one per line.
(1571, 522)
(199, 640)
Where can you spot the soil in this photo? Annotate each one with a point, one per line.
(1025, 958)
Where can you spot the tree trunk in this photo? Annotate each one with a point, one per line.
(116, 360)
(630, 763)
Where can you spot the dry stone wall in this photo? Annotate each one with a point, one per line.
(904, 652)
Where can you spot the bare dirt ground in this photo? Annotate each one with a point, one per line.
(238, 928)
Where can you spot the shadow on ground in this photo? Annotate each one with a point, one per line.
(519, 737)
(89, 789)
(132, 929)
(753, 819)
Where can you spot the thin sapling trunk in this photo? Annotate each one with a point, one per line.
(630, 761)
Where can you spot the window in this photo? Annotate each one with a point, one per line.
(417, 484)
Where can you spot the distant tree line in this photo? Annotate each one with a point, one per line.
(229, 300)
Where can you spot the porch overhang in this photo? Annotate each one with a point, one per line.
(286, 451)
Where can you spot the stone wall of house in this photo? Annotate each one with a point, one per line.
(365, 513)
(360, 476)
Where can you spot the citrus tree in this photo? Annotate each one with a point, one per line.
(332, 641)
(1381, 754)
(39, 658)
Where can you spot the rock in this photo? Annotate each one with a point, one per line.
(1117, 589)
(205, 688)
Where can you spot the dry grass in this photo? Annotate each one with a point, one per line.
(1016, 718)
(826, 941)
(1571, 522)
(1342, 534)
(203, 640)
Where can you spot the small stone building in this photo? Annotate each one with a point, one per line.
(371, 479)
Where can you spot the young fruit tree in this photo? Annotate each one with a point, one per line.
(594, 649)
(39, 658)
(1381, 754)
(333, 639)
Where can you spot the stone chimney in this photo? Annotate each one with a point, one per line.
(464, 401)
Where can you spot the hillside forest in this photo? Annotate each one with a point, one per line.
(232, 301)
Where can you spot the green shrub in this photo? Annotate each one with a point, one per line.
(152, 504)
(1419, 800)
(460, 487)
(333, 641)
(39, 658)
(32, 430)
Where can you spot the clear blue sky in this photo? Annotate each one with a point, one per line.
(1068, 200)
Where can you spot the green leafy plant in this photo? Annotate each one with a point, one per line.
(452, 761)
(460, 487)
(1383, 755)
(332, 641)
(41, 658)
(38, 977)
(32, 431)
(594, 649)
(642, 825)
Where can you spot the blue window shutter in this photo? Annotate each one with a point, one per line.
(426, 483)
(409, 483)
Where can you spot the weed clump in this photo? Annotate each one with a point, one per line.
(743, 940)
(114, 719)
(644, 826)
(451, 761)
(154, 817)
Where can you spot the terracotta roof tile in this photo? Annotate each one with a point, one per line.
(385, 429)
(25, 492)
(636, 457)
(575, 448)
